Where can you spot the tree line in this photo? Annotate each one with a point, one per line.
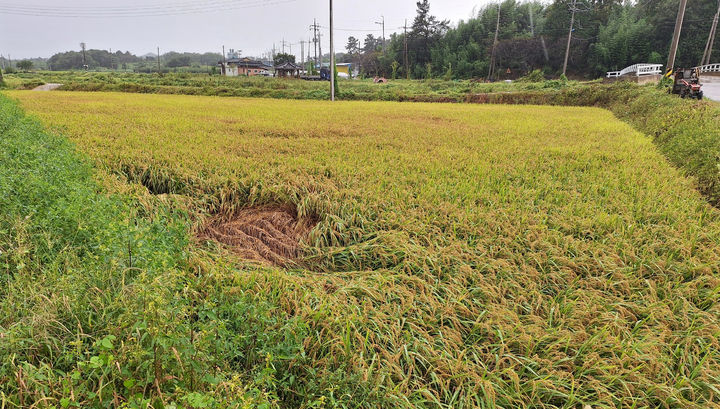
(608, 35)
(103, 59)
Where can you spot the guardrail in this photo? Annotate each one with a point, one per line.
(638, 69)
(709, 68)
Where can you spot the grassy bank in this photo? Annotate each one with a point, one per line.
(465, 256)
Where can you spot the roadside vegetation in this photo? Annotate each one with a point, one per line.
(198, 84)
(464, 256)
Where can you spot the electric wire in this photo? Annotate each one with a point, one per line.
(207, 6)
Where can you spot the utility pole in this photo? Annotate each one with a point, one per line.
(302, 53)
(316, 41)
(407, 61)
(711, 39)
(111, 60)
(85, 66)
(320, 48)
(223, 71)
(491, 72)
(382, 23)
(572, 25)
(332, 55)
(158, 53)
(676, 37)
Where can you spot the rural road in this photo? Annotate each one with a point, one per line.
(711, 87)
(712, 90)
(47, 87)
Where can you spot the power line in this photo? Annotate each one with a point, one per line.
(70, 8)
(109, 9)
(355, 29)
(208, 6)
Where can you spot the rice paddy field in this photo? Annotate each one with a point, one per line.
(357, 254)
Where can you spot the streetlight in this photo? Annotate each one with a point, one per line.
(382, 23)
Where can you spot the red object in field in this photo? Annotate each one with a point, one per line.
(687, 84)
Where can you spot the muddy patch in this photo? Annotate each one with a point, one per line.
(269, 235)
(47, 87)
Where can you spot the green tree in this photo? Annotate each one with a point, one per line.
(427, 30)
(179, 61)
(353, 45)
(372, 44)
(622, 42)
(282, 58)
(25, 65)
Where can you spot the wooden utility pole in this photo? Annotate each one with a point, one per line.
(407, 61)
(158, 55)
(676, 37)
(332, 55)
(711, 39)
(572, 27)
(491, 72)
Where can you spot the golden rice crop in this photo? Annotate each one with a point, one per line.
(466, 256)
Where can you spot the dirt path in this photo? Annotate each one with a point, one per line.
(47, 87)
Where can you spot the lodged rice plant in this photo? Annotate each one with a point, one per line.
(464, 256)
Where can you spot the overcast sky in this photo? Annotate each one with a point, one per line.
(249, 25)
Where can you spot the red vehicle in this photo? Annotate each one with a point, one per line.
(687, 84)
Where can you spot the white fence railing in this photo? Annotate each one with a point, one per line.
(638, 69)
(710, 68)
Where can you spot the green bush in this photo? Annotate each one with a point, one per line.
(535, 76)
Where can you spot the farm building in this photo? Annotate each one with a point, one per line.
(288, 70)
(345, 69)
(244, 67)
